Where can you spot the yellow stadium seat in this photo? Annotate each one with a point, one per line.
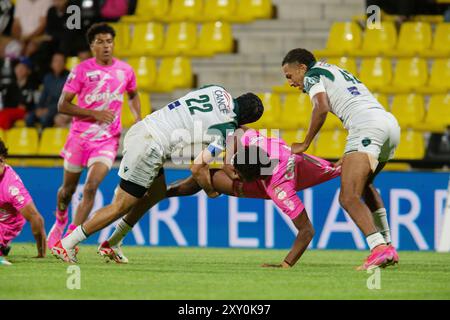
(272, 112)
(184, 10)
(22, 141)
(2, 135)
(215, 37)
(52, 141)
(122, 39)
(285, 88)
(410, 74)
(331, 144)
(414, 38)
(296, 111)
(147, 39)
(411, 147)
(375, 73)
(344, 37)
(377, 41)
(439, 78)
(174, 73)
(382, 99)
(145, 69)
(148, 10)
(440, 47)
(437, 118)
(345, 63)
(291, 136)
(249, 10)
(181, 38)
(19, 124)
(332, 123)
(409, 109)
(126, 118)
(430, 18)
(71, 62)
(218, 10)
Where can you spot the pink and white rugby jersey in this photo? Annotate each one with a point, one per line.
(99, 88)
(13, 196)
(292, 173)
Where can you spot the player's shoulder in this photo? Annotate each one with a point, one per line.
(321, 69)
(10, 175)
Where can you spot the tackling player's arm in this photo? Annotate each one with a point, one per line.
(135, 105)
(66, 106)
(200, 171)
(36, 221)
(321, 107)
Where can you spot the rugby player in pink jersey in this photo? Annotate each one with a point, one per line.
(258, 167)
(16, 207)
(99, 83)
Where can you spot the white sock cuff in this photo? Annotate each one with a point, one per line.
(374, 240)
(380, 212)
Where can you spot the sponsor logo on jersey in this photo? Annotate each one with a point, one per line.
(93, 76)
(289, 203)
(281, 194)
(290, 168)
(104, 96)
(223, 100)
(13, 190)
(366, 141)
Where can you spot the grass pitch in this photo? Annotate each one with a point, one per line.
(204, 273)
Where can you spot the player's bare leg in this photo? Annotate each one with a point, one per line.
(301, 242)
(356, 172)
(65, 193)
(354, 176)
(97, 172)
(376, 205)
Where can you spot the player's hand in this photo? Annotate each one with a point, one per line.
(338, 163)
(104, 116)
(299, 147)
(213, 194)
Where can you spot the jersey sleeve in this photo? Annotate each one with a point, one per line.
(18, 195)
(131, 85)
(74, 81)
(219, 134)
(313, 85)
(286, 198)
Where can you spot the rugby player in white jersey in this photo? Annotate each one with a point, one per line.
(206, 115)
(373, 135)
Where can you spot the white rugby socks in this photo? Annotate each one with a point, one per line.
(381, 222)
(374, 240)
(74, 238)
(119, 233)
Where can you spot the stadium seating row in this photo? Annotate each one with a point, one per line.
(179, 38)
(236, 11)
(409, 74)
(173, 73)
(415, 38)
(295, 112)
(329, 144)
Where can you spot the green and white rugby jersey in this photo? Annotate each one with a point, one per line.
(205, 115)
(349, 98)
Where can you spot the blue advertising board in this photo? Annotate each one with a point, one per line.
(414, 200)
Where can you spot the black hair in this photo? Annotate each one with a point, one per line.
(250, 108)
(249, 162)
(299, 55)
(3, 149)
(98, 28)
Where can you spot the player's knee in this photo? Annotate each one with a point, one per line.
(66, 192)
(347, 199)
(90, 188)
